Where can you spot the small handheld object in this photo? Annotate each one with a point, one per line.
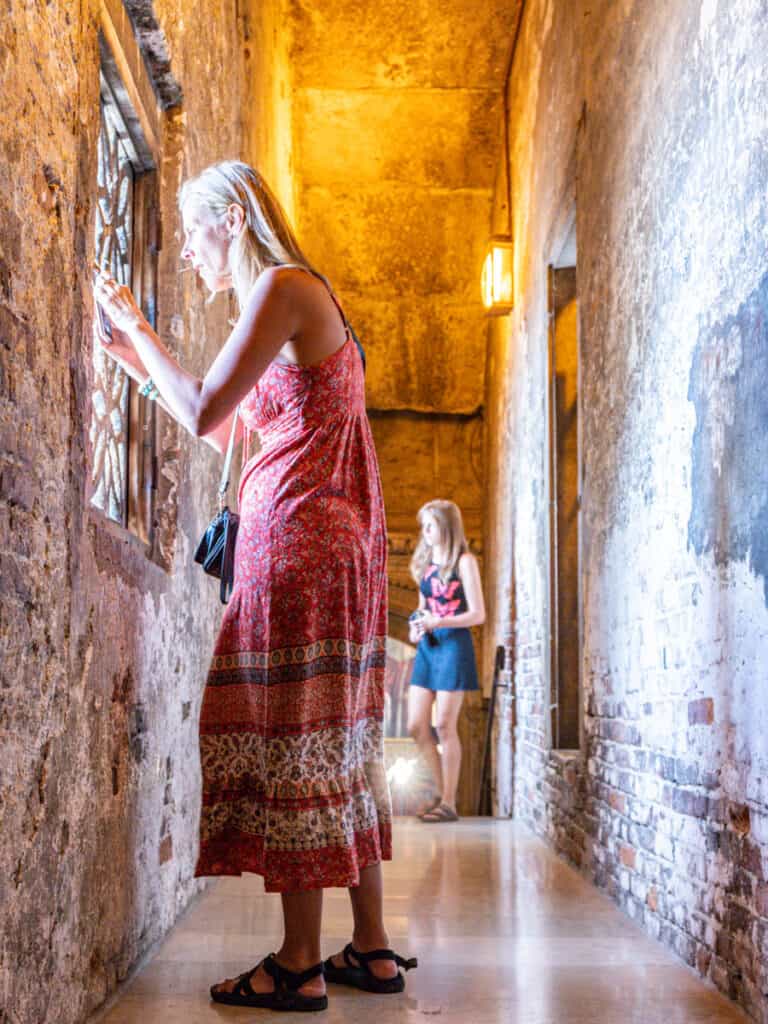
(105, 323)
(417, 616)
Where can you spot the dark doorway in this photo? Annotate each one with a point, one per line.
(565, 506)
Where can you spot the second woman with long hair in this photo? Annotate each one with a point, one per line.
(450, 602)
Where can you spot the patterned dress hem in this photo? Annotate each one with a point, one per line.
(235, 853)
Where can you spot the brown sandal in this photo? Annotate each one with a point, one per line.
(431, 806)
(438, 814)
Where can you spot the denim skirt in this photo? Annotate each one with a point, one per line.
(448, 664)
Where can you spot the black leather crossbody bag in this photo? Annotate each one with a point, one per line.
(216, 548)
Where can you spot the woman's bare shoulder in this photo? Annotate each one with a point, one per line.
(296, 286)
(291, 276)
(466, 560)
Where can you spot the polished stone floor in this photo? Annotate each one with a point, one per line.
(506, 933)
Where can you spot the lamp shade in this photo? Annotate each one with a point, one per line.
(497, 276)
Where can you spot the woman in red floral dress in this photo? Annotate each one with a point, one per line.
(294, 786)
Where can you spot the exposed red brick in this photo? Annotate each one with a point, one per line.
(618, 802)
(627, 855)
(701, 712)
(703, 960)
(166, 849)
(738, 816)
(761, 900)
(652, 899)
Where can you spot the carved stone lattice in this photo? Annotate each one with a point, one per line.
(114, 235)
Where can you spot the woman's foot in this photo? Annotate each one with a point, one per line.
(433, 803)
(443, 812)
(261, 982)
(383, 969)
(358, 970)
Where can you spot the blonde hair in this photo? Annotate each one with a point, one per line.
(447, 515)
(267, 238)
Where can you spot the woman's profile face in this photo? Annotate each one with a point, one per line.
(430, 529)
(206, 245)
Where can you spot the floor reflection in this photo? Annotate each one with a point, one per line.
(504, 930)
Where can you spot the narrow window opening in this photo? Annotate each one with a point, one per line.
(123, 427)
(565, 501)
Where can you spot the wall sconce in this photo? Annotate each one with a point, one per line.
(497, 276)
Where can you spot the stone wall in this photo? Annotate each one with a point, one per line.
(269, 101)
(103, 651)
(651, 118)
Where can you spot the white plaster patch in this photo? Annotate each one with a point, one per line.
(759, 827)
(731, 780)
(718, 369)
(707, 16)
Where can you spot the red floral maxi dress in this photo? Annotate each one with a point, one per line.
(294, 786)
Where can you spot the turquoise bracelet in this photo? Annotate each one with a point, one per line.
(148, 390)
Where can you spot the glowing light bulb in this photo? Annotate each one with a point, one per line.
(496, 285)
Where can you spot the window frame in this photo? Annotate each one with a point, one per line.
(125, 88)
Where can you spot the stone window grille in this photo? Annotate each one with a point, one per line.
(123, 424)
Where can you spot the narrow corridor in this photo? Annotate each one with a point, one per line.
(505, 931)
(547, 223)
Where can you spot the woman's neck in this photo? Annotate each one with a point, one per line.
(438, 556)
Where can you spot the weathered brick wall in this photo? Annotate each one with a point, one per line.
(103, 653)
(653, 117)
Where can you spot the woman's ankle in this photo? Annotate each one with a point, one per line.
(366, 941)
(297, 959)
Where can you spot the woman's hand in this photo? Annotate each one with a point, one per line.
(118, 302)
(429, 621)
(416, 626)
(119, 347)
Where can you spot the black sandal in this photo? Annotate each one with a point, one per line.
(359, 975)
(285, 996)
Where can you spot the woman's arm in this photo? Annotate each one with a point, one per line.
(268, 320)
(473, 591)
(125, 355)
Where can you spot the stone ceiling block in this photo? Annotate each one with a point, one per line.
(423, 353)
(396, 108)
(398, 240)
(413, 137)
(445, 44)
(449, 342)
(444, 458)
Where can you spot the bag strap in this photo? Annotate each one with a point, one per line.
(227, 578)
(224, 482)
